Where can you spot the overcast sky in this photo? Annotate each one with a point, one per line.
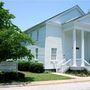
(31, 12)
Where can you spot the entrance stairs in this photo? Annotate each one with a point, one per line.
(66, 65)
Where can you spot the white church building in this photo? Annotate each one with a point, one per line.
(63, 41)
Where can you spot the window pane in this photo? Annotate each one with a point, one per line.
(37, 35)
(36, 53)
(53, 53)
(31, 34)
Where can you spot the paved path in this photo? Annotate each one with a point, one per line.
(68, 75)
(66, 86)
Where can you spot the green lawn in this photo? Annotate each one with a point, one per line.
(24, 77)
(43, 76)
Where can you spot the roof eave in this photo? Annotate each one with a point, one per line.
(44, 22)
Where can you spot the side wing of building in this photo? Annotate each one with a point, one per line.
(38, 36)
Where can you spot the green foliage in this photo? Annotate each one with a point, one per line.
(36, 67)
(81, 73)
(5, 17)
(30, 66)
(11, 45)
(23, 66)
(10, 76)
(12, 39)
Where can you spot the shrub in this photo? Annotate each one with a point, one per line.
(23, 66)
(36, 67)
(31, 66)
(10, 76)
(79, 72)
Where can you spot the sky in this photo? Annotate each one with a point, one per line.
(31, 12)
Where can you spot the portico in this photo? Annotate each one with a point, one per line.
(74, 29)
(74, 48)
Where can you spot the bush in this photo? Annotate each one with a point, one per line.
(10, 76)
(23, 66)
(31, 66)
(36, 67)
(79, 72)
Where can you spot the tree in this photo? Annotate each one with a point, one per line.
(12, 39)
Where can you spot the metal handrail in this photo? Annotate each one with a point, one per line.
(86, 62)
(67, 62)
(63, 65)
(60, 63)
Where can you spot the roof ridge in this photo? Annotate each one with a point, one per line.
(55, 16)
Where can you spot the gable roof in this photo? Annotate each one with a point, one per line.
(88, 14)
(77, 7)
(78, 18)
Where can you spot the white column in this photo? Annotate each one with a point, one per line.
(82, 48)
(74, 48)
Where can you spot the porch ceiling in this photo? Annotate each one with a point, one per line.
(77, 26)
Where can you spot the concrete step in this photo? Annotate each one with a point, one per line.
(76, 68)
(63, 69)
(87, 68)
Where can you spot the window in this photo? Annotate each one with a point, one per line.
(37, 35)
(36, 53)
(53, 53)
(31, 34)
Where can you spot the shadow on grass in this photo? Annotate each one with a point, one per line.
(12, 77)
(27, 79)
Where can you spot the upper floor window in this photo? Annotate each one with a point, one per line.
(53, 53)
(34, 35)
(31, 34)
(36, 53)
(37, 35)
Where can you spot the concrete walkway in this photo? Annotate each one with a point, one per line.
(66, 86)
(67, 75)
(79, 79)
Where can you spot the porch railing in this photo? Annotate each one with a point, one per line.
(64, 66)
(87, 67)
(87, 62)
(67, 62)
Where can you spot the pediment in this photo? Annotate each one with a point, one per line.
(85, 19)
(68, 15)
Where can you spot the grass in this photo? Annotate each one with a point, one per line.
(43, 76)
(31, 77)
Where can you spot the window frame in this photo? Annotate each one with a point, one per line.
(37, 38)
(53, 53)
(31, 34)
(36, 52)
